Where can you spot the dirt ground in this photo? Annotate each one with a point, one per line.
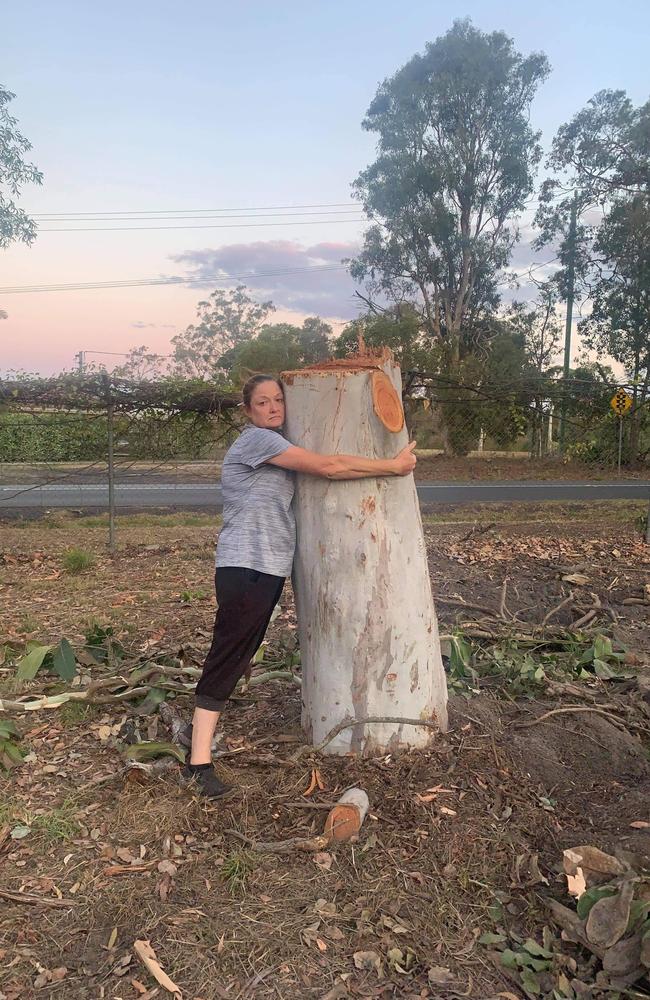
(463, 839)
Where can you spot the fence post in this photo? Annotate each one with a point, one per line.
(111, 479)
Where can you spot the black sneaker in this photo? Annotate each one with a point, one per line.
(204, 780)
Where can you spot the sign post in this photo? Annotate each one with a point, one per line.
(620, 403)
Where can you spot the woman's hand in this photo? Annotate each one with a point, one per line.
(405, 461)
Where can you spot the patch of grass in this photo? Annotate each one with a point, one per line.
(74, 712)
(187, 596)
(28, 623)
(551, 512)
(51, 826)
(178, 520)
(8, 811)
(235, 870)
(56, 824)
(9, 686)
(77, 561)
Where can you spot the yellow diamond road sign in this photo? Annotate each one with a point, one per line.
(621, 402)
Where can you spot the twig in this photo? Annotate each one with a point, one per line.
(308, 805)
(25, 897)
(101, 779)
(476, 529)
(585, 620)
(348, 723)
(581, 622)
(554, 611)
(569, 709)
(274, 675)
(457, 603)
(502, 600)
(307, 844)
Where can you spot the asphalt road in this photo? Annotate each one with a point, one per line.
(192, 496)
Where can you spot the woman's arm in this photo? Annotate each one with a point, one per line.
(345, 466)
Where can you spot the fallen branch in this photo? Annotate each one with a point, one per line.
(308, 845)
(92, 695)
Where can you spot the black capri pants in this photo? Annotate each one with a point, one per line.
(245, 602)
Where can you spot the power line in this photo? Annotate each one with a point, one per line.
(188, 280)
(230, 225)
(193, 211)
(163, 217)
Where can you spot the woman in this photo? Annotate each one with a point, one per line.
(255, 553)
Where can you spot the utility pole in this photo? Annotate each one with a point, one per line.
(571, 274)
(80, 358)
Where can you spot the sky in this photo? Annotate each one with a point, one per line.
(253, 109)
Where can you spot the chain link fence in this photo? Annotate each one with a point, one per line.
(548, 422)
(101, 443)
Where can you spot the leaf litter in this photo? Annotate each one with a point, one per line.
(460, 842)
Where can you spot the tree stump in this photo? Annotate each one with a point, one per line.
(366, 618)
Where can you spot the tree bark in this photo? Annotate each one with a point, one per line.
(367, 624)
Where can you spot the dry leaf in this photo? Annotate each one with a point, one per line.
(323, 860)
(367, 961)
(640, 824)
(338, 992)
(578, 578)
(167, 867)
(608, 917)
(325, 908)
(439, 976)
(147, 956)
(125, 855)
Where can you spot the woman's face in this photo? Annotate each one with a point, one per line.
(267, 405)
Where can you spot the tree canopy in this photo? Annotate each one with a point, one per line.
(15, 172)
(455, 164)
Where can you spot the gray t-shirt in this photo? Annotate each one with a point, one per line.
(259, 527)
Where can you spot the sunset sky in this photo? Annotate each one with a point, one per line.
(146, 107)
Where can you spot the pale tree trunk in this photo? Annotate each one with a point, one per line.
(368, 630)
